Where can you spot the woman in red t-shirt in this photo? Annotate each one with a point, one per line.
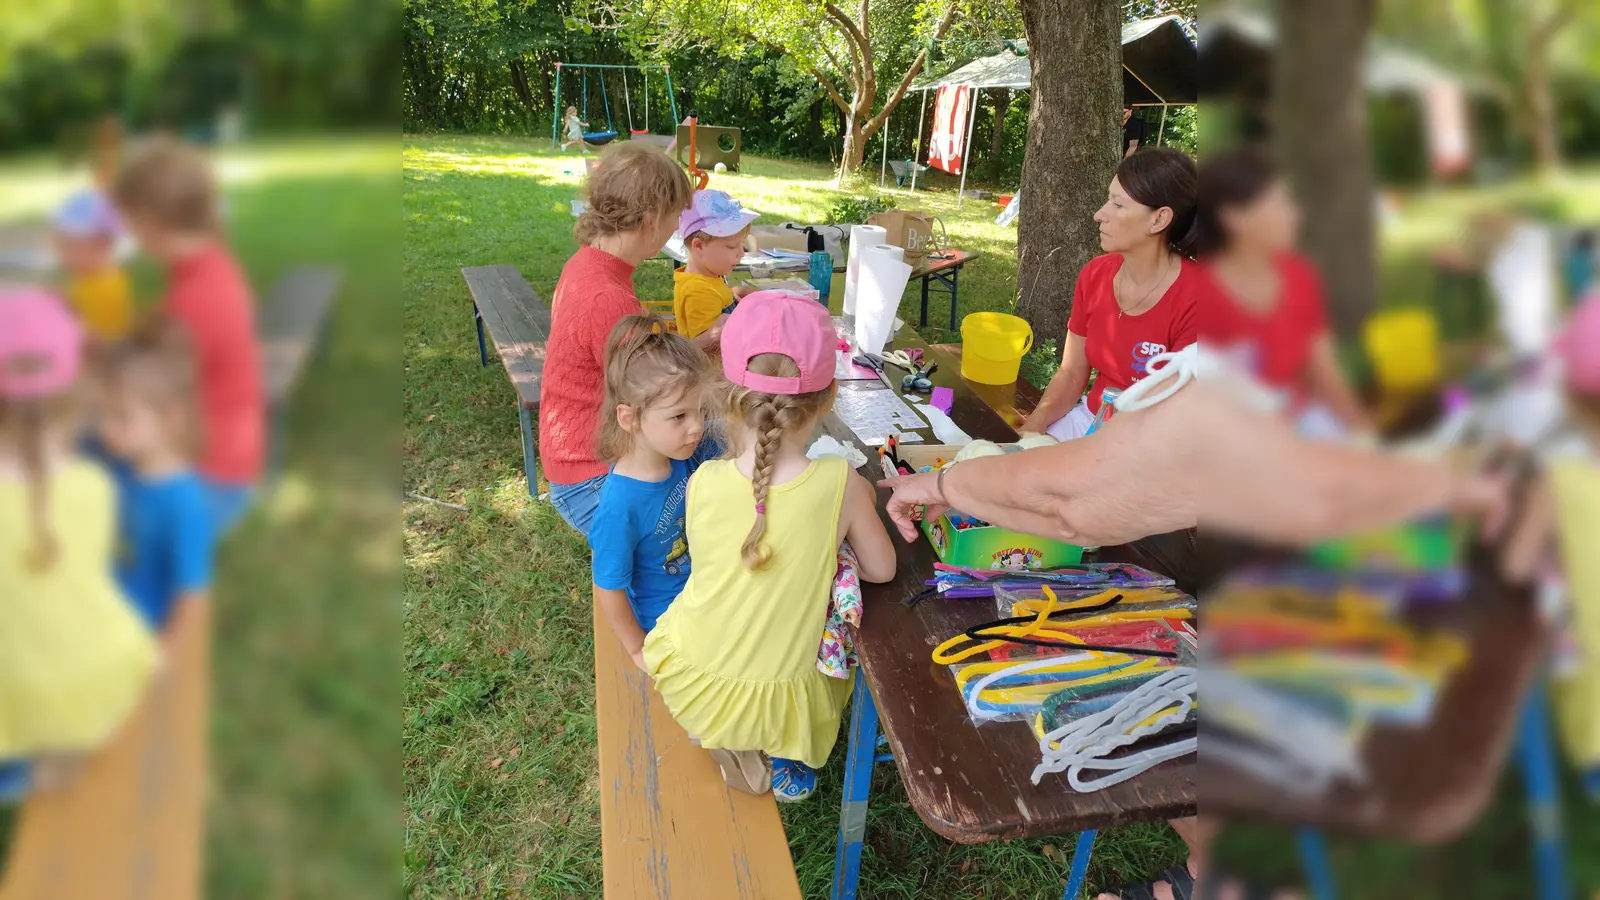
(1135, 301)
(1264, 306)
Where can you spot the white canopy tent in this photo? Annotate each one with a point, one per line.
(1158, 65)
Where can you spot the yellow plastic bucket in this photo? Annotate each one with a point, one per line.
(992, 347)
(1403, 345)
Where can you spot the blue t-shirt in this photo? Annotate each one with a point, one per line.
(638, 540)
(165, 540)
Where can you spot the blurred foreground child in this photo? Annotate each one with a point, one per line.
(74, 657)
(169, 201)
(148, 425)
(714, 228)
(86, 229)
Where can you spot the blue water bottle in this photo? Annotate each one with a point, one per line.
(822, 274)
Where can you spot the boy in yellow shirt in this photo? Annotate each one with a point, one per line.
(86, 229)
(714, 229)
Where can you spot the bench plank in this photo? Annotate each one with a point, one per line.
(517, 322)
(670, 827)
(131, 824)
(290, 319)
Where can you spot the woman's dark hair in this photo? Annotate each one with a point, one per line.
(1162, 176)
(1233, 178)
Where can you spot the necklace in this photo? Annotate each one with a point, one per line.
(1121, 310)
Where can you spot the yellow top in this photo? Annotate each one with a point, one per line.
(697, 301)
(103, 301)
(735, 655)
(74, 655)
(1575, 483)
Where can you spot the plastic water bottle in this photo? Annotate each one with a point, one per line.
(821, 274)
(1108, 399)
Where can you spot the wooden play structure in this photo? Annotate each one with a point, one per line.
(707, 148)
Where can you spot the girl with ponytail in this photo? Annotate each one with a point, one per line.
(74, 657)
(734, 657)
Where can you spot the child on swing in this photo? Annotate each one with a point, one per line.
(574, 131)
(651, 427)
(74, 657)
(734, 656)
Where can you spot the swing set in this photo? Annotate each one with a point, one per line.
(610, 133)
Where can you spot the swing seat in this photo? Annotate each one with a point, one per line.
(636, 132)
(599, 137)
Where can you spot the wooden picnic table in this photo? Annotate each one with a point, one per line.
(947, 272)
(969, 783)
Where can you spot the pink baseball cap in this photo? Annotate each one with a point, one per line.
(716, 213)
(780, 322)
(41, 344)
(1578, 345)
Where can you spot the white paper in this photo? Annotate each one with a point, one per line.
(945, 430)
(861, 237)
(874, 413)
(827, 446)
(883, 281)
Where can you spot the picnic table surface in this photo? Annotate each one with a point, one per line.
(923, 265)
(971, 783)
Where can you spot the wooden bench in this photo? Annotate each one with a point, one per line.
(519, 324)
(670, 827)
(131, 824)
(290, 320)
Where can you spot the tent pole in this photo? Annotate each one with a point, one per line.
(884, 168)
(916, 146)
(555, 116)
(966, 149)
(1162, 134)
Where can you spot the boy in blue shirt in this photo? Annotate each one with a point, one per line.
(148, 425)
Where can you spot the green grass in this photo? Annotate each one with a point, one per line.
(305, 768)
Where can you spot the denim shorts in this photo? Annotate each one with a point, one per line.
(577, 502)
(227, 504)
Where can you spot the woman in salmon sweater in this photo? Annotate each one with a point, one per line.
(635, 197)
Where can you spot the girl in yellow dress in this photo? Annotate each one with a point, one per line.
(734, 656)
(74, 657)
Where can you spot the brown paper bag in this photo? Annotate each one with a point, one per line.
(908, 229)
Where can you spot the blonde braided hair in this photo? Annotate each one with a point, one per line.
(769, 419)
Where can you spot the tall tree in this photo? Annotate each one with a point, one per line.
(1075, 66)
(1320, 123)
(848, 48)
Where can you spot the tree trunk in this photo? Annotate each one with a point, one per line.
(997, 141)
(1320, 123)
(1075, 66)
(519, 81)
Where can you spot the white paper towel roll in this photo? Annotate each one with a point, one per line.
(861, 237)
(891, 250)
(883, 280)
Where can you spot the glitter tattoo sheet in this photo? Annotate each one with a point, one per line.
(873, 412)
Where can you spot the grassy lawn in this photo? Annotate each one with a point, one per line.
(305, 765)
(500, 771)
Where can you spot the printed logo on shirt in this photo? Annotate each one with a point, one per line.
(1142, 353)
(677, 561)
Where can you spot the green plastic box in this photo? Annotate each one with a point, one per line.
(985, 546)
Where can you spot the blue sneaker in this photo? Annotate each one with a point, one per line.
(792, 780)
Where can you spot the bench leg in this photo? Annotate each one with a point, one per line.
(860, 753)
(923, 319)
(1537, 756)
(1080, 865)
(483, 349)
(955, 280)
(1314, 859)
(530, 456)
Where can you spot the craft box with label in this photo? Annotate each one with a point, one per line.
(980, 545)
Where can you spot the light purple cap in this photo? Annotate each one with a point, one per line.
(87, 213)
(716, 213)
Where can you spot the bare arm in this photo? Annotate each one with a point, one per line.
(859, 524)
(1329, 386)
(615, 605)
(1065, 388)
(1133, 147)
(1198, 457)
